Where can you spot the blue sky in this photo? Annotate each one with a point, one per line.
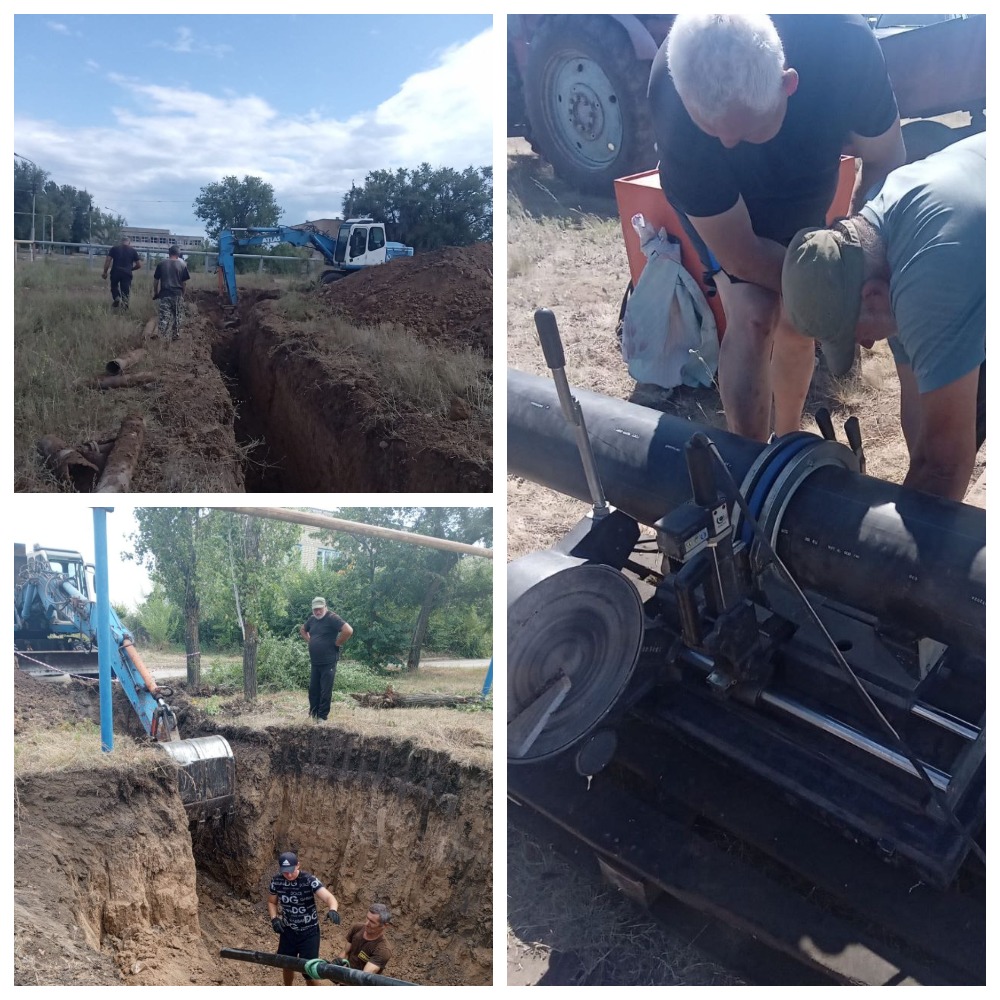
(142, 111)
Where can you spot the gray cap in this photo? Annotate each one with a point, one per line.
(821, 283)
(319, 602)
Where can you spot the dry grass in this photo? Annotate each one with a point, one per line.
(76, 746)
(464, 733)
(552, 909)
(64, 329)
(409, 372)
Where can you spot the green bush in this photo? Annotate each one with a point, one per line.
(283, 665)
(159, 619)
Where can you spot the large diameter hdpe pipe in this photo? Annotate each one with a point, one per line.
(914, 561)
(317, 968)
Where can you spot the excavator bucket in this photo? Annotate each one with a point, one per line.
(207, 776)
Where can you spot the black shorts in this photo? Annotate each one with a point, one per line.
(299, 944)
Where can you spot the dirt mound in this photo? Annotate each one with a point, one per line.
(442, 296)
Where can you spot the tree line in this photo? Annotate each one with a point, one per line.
(224, 580)
(422, 208)
(61, 212)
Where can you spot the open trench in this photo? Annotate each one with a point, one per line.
(113, 887)
(302, 428)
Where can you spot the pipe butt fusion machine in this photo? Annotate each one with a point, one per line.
(770, 604)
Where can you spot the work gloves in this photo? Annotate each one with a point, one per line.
(333, 916)
(342, 962)
(276, 925)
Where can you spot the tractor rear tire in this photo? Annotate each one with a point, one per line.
(585, 92)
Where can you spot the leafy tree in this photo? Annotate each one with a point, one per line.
(233, 203)
(427, 208)
(460, 524)
(158, 618)
(388, 589)
(250, 556)
(28, 179)
(167, 541)
(62, 212)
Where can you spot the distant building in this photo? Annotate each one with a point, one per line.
(160, 239)
(312, 551)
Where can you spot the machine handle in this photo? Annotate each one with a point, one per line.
(825, 424)
(701, 469)
(852, 428)
(548, 335)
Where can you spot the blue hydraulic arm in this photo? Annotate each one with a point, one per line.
(230, 240)
(65, 605)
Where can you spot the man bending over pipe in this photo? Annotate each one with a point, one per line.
(910, 267)
(751, 115)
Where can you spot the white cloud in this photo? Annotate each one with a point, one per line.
(58, 27)
(167, 143)
(187, 44)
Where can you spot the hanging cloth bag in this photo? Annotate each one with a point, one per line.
(669, 336)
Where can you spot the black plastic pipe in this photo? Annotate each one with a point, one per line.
(914, 561)
(318, 968)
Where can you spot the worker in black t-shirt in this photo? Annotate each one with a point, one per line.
(326, 633)
(751, 114)
(122, 260)
(296, 892)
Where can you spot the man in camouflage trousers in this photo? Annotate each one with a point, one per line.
(168, 288)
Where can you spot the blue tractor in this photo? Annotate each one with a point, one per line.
(360, 244)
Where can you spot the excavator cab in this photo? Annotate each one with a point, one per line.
(360, 243)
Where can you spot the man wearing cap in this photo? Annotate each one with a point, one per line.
(367, 948)
(296, 892)
(168, 287)
(910, 267)
(121, 260)
(325, 633)
(751, 114)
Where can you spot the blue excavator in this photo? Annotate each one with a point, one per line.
(360, 244)
(55, 631)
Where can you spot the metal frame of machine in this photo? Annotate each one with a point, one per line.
(799, 626)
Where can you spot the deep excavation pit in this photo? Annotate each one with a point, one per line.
(111, 888)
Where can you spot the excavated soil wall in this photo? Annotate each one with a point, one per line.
(112, 888)
(323, 430)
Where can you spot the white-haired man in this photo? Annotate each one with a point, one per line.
(751, 114)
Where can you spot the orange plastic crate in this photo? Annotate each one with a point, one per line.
(641, 193)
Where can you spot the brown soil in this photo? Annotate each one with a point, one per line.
(111, 888)
(444, 296)
(251, 403)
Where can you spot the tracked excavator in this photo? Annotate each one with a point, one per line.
(55, 626)
(360, 244)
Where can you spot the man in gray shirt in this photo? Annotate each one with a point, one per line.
(910, 267)
(168, 287)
